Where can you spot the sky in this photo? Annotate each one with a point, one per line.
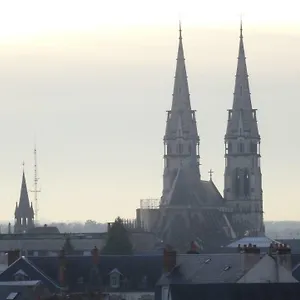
(90, 82)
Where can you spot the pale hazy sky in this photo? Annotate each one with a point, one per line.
(92, 81)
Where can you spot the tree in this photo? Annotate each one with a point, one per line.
(118, 240)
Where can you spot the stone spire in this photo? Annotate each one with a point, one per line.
(181, 95)
(243, 178)
(181, 136)
(242, 114)
(24, 213)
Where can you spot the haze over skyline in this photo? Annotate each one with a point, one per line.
(91, 84)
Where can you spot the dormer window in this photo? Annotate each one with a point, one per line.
(115, 278)
(20, 276)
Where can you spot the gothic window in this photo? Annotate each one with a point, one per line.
(229, 147)
(190, 149)
(236, 182)
(241, 147)
(246, 183)
(180, 148)
(241, 90)
(253, 147)
(169, 149)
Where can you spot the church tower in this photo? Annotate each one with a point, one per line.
(24, 214)
(181, 140)
(243, 178)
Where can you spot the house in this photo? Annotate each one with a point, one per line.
(247, 266)
(129, 277)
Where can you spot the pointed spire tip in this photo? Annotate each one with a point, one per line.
(241, 27)
(180, 30)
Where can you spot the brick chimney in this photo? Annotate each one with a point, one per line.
(169, 259)
(282, 253)
(251, 256)
(12, 256)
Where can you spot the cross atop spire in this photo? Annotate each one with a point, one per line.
(241, 27)
(210, 172)
(180, 30)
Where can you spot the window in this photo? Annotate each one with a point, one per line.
(241, 147)
(114, 280)
(165, 293)
(180, 148)
(169, 149)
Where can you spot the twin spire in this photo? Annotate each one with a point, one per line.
(181, 95)
(242, 98)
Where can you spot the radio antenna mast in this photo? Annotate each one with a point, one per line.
(35, 190)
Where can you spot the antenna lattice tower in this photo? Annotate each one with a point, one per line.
(35, 190)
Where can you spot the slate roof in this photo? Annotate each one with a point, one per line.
(259, 241)
(31, 270)
(188, 189)
(205, 268)
(81, 271)
(249, 291)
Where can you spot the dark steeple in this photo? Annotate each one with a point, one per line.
(24, 213)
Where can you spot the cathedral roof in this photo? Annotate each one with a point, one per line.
(242, 117)
(189, 190)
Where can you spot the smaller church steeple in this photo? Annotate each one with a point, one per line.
(24, 214)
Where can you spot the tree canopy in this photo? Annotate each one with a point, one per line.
(118, 240)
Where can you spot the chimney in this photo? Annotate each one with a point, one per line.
(169, 259)
(95, 255)
(12, 256)
(282, 253)
(251, 256)
(109, 224)
(62, 268)
(194, 249)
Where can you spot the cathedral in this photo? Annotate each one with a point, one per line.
(192, 208)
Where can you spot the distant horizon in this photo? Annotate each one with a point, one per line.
(47, 222)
